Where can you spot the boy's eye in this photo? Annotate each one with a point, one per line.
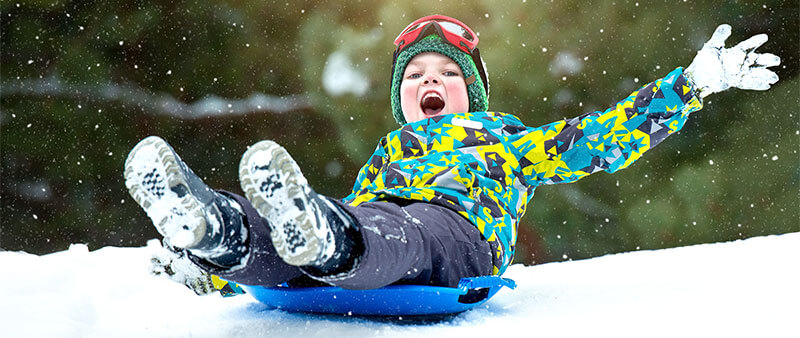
(415, 76)
(450, 73)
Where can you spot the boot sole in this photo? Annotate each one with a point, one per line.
(156, 182)
(276, 187)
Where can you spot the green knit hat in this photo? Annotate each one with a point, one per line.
(478, 98)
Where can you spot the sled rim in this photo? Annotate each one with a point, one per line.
(393, 300)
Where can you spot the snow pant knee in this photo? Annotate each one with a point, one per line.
(414, 243)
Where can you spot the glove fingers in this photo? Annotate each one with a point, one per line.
(768, 60)
(160, 263)
(752, 43)
(201, 285)
(758, 79)
(717, 40)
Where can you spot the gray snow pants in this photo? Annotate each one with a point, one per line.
(404, 242)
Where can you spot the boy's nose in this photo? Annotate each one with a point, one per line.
(430, 79)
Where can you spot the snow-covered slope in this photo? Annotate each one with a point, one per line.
(748, 288)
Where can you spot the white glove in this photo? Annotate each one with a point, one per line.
(716, 68)
(173, 263)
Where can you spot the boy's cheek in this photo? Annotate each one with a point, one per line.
(458, 100)
(408, 97)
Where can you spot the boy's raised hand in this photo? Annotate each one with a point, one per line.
(716, 68)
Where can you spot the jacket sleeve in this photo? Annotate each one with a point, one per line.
(368, 172)
(566, 151)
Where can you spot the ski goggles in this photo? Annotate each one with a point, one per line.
(453, 31)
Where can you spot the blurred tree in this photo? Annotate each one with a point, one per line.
(82, 81)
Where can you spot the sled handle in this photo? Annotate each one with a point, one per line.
(470, 283)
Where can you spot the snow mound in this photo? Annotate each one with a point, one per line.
(746, 288)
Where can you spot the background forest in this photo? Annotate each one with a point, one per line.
(82, 81)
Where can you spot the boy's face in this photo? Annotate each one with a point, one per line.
(432, 85)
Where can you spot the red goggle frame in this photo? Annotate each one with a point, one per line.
(455, 32)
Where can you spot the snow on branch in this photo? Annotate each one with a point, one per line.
(162, 104)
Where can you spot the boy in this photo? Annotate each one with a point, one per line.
(440, 198)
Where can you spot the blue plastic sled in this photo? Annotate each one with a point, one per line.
(393, 300)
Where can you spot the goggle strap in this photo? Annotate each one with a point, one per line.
(476, 57)
(394, 63)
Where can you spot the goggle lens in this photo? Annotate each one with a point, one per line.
(456, 29)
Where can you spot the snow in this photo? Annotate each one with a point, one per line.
(746, 288)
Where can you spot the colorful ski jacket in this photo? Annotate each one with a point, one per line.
(486, 165)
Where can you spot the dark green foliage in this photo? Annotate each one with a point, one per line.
(731, 173)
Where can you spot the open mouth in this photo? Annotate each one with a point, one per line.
(431, 103)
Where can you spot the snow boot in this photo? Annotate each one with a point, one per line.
(183, 209)
(306, 229)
